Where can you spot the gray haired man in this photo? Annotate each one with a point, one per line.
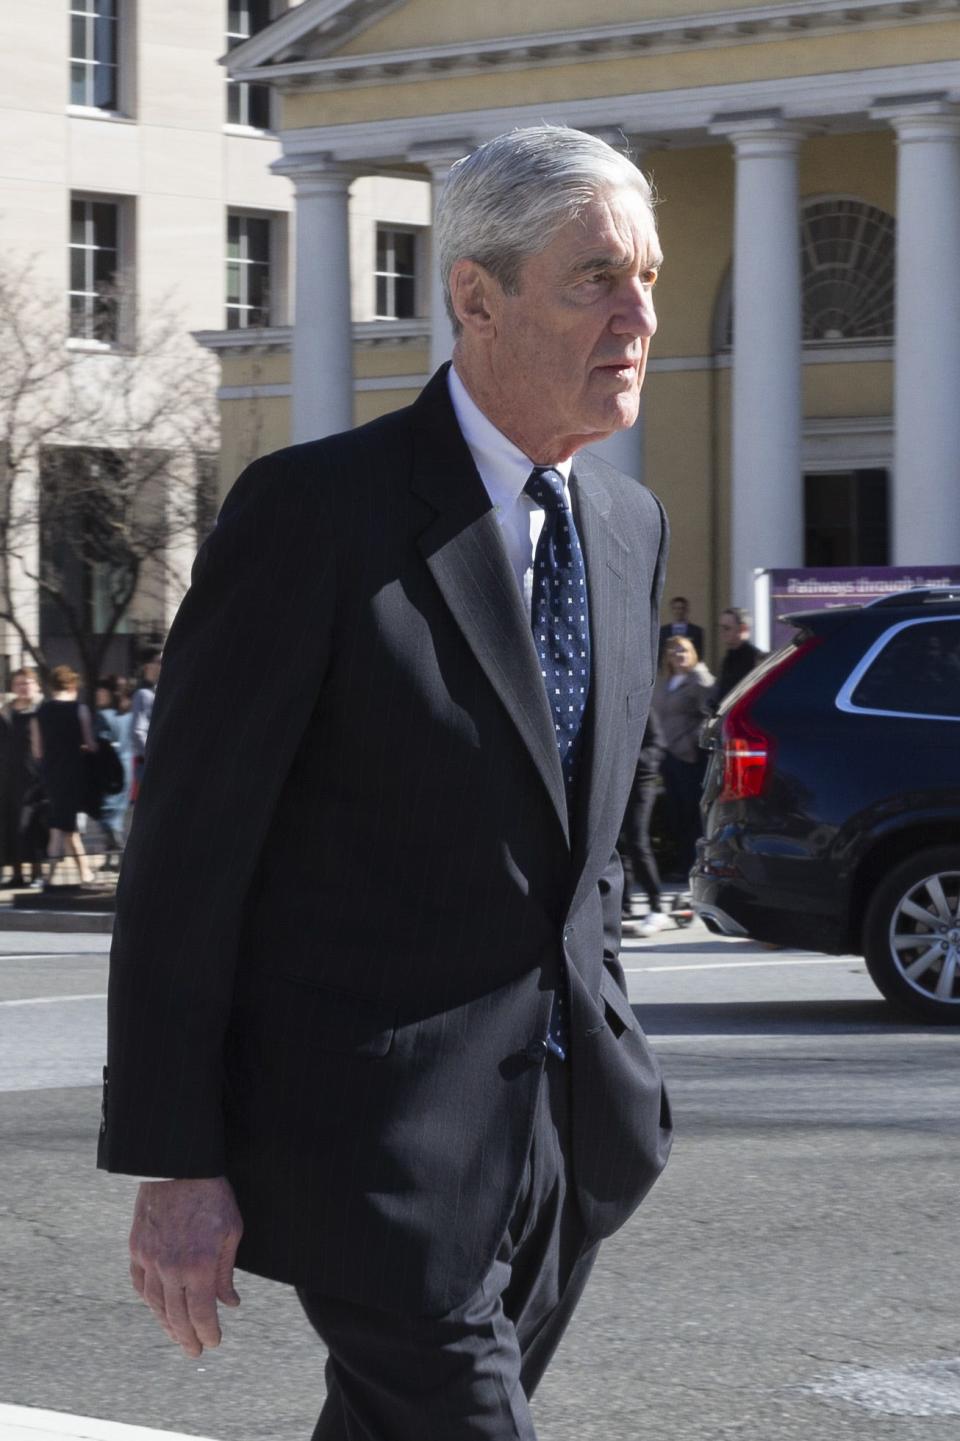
(415, 1091)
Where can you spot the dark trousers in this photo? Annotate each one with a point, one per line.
(683, 782)
(636, 839)
(468, 1375)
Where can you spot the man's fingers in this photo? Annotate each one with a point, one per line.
(181, 1321)
(153, 1295)
(226, 1292)
(201, 1306)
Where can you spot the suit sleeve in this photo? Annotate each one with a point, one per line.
(242, 671)
(611, 879)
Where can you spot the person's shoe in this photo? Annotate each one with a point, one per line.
(651, 924)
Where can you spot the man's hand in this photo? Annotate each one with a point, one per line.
(182, 1248)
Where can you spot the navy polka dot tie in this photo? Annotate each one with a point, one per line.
(561, 633)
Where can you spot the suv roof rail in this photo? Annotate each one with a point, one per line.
(918, 595)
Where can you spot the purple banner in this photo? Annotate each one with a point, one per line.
(781, 592)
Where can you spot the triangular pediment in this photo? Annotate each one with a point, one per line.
(309, 31)
(326, 44)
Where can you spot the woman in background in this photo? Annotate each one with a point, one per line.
(61, 733)
(24, 800)
(681, 702)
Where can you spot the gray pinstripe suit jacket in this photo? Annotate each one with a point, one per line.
(352, 881)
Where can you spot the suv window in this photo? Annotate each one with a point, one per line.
(912, 670)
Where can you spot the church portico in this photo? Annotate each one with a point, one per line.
(733, 425)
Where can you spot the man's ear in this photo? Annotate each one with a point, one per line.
(476, 297)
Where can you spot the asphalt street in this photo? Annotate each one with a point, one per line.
(793, 1275)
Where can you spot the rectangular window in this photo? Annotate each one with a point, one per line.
(247, 104)
(94, 48)
(94, 270)
(846, 518)
(248, 271)
(396, 274)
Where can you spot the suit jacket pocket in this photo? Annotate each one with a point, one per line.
(338, 1022)
(616, 1006)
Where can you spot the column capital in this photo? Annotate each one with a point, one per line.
(439, 156)
(919, 117)
(316, 173)
(758, 133)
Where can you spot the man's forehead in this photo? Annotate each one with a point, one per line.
(615, 227)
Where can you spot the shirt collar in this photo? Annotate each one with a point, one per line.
(504, 468)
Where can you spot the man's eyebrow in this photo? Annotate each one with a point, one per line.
(612, 262)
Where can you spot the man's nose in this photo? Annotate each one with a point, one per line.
(635, 313)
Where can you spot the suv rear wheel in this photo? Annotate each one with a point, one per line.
(912, 935)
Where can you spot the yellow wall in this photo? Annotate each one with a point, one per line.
(679, 468)
(249, 368)
(851, 389)
(370, 361)
(427, 22)
(711, 65)
(250, 428)
(695, 219)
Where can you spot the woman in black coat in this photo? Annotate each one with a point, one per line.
(62, 735)
(25, 829)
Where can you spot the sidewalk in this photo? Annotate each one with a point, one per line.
(24, 1423)
(30, 917)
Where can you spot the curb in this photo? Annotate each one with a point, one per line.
(25, 1423)
(86, 922)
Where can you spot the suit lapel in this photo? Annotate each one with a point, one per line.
(607, 560)
(466, 555)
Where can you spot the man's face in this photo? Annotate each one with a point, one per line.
(566, 356)
(730, 632)
(151, 672)
(24, 687)
(679, 609)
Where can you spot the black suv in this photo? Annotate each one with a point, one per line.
(831, 801)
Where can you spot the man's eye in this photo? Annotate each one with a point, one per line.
(650, 275)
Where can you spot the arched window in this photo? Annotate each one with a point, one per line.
(847, 252)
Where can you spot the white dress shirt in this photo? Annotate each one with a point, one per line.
(505, 470)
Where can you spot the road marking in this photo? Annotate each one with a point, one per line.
(54, 1000)
(923, 1388)
(744, 965)
(47, 955)
(25, 1423)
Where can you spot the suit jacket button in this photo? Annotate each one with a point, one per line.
(537, 1051)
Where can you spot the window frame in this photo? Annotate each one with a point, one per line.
(123, 337)
(417, 233)
(844, 700)
(270, 218)
(124, 64)
(244, 88)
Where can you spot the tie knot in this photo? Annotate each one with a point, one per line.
(545, 486)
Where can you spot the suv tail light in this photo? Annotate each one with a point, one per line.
(747, 750)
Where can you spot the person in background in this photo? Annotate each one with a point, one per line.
(115, 727)
(23, 797)
(636, 832)
(681, 703)
(141, 709)
(60, 733)
(740, 656)
(681, 624)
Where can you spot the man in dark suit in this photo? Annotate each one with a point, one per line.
(415, 1087)
(681, 625)
(740, 655)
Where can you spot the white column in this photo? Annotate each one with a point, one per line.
(438, 159)
(767, 489)
(322, 361)
(926, 407)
